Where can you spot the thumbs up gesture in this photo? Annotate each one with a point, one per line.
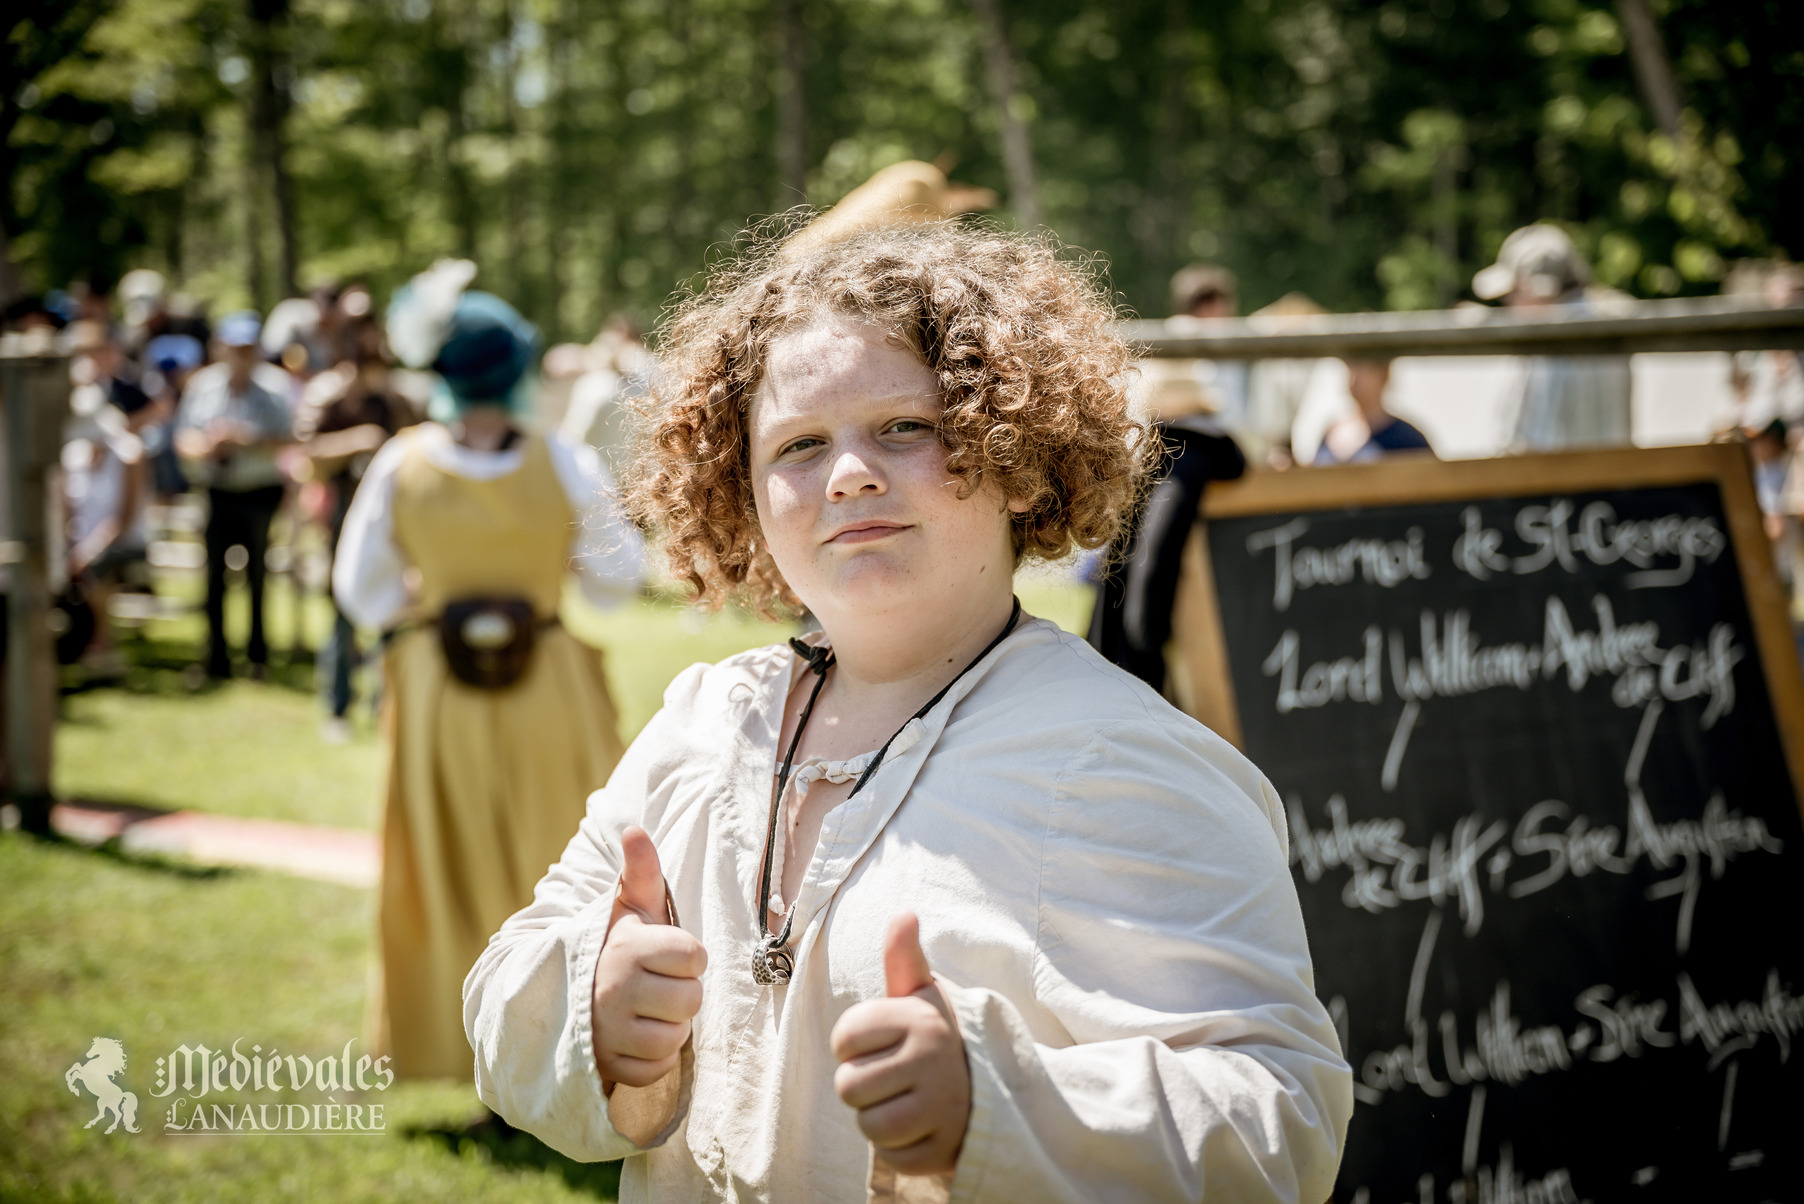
(647, 978)
(902, 1062)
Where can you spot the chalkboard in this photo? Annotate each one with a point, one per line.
(1536, 726)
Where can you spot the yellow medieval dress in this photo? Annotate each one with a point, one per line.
(484, 786)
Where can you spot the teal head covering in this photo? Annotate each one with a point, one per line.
(479, 345)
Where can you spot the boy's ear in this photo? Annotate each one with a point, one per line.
(1017, 505)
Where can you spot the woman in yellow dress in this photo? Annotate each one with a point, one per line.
(498, 720)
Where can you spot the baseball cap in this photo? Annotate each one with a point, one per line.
(174, 353)
(1541, 258)
(239, 329)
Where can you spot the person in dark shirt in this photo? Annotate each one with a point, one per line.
(1371, 432)
(346, 413)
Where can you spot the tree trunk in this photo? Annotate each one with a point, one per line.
(792, 104)
(1161, 230)
(559, 30)
(1653, 67)
(512, 185)
(11, 286)
(685, 217)
(253, 218)
(270, 106)
(1445, 185)
(1017, 145)
(449, 88)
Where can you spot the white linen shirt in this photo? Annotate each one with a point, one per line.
(1104, 898)
(369, 572)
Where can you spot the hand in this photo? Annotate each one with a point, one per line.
(647, 979)
(193, 444)
(902, 1062)
(229, 436)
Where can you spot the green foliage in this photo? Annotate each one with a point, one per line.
(592, 154)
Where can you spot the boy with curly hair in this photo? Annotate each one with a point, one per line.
(934, 903)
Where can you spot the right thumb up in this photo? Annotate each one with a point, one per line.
(641, 891)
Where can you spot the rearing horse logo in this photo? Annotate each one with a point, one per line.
(105, 1062)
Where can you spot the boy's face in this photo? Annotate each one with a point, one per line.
(850, 480)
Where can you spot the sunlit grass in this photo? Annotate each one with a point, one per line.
(155, 957)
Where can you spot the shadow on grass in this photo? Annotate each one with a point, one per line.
(499, 1143)
(113, 849)
(176, 667)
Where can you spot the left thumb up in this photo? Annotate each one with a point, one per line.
(905, 968)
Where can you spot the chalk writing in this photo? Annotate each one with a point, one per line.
(1431, 682)
(1385, 871)
(1452, 660)
(1554, 539)
(1460, 868)
(1609, 1026)
(1381, 562)
(1728, 1028)
(1359, 679)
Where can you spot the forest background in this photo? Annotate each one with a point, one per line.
(593, 154)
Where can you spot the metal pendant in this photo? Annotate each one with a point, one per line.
(771, 962)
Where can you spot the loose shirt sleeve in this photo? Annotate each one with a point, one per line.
(528, 999)
(1171, 951)
(369, 573)
(607, 553)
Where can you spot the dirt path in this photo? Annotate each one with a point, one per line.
(341, 855)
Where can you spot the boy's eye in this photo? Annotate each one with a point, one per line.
(802, 444)
(908, 426)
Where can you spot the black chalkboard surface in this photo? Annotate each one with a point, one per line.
(1530, 720)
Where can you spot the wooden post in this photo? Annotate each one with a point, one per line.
(34, 392)
(1623, 328)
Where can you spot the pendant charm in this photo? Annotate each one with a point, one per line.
(771, 962)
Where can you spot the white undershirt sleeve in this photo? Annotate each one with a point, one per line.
(369, 573)
(607, 553)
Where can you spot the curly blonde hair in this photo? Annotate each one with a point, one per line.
(1030, 370)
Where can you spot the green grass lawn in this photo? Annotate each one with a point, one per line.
(157, 956)
(243, 749)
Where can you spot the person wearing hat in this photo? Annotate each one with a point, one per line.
(228, 432)
(1567, 401)
(170, 360)
(457, 545)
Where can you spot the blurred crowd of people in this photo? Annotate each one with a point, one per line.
(1282, 413)
(252, 432)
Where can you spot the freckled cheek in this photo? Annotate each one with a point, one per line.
(786, 510)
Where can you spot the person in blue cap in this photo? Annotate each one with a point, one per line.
(228, 433)
(170, 360)
(456, 546)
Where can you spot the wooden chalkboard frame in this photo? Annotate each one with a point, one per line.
(1200, 676)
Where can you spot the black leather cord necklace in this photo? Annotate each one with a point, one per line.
(771, 962)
